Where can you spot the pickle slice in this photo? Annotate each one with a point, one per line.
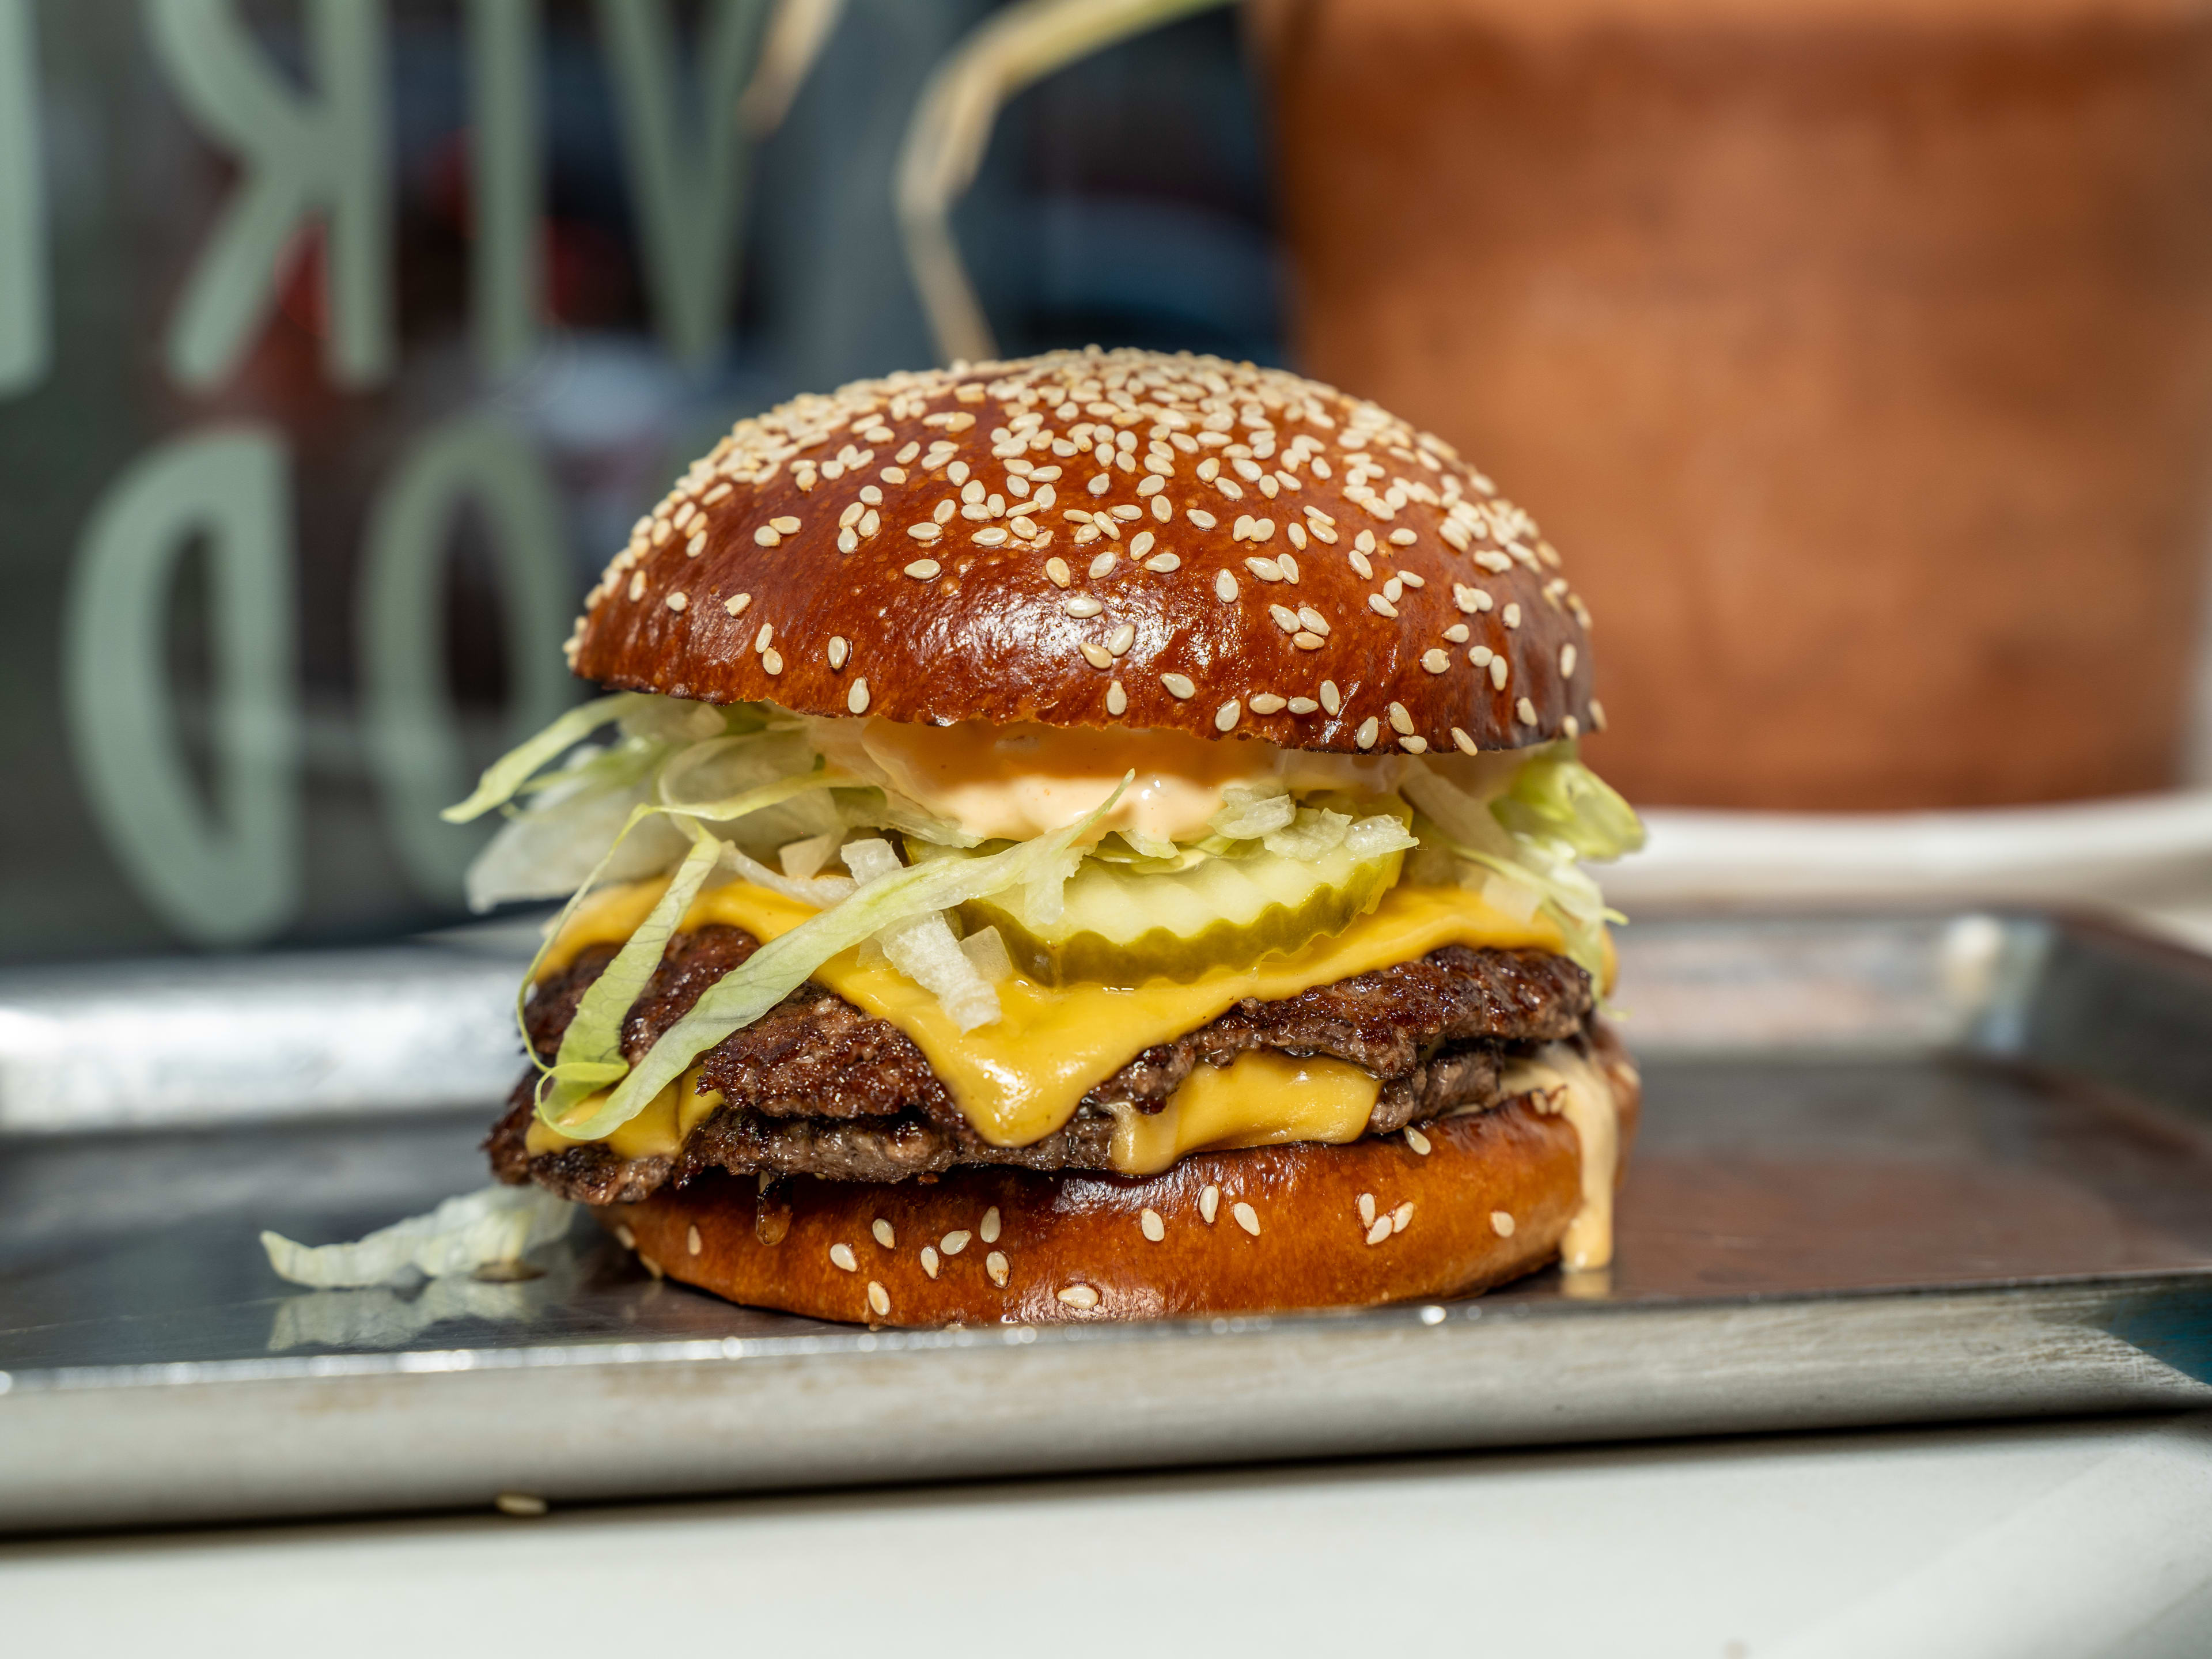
(1122, 926)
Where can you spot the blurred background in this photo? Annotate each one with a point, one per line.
(1856, 353)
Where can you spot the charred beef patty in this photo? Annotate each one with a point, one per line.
(816, 1087)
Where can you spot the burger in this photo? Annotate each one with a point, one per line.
(1093, 835)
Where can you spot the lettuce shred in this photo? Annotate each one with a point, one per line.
(489, 1228)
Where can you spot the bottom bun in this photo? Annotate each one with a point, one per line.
(1285, 1227)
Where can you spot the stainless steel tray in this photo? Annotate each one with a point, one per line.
(1893, 1170)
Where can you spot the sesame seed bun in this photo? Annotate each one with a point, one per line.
(881, 550)
(1263, 1229)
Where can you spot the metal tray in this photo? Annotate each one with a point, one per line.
(1893, 1170)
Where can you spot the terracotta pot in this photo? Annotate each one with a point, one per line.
(1857, 354)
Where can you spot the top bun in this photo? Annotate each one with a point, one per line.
(1091, 537)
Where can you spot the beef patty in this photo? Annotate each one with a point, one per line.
(815, 1086)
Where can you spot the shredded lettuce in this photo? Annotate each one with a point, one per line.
(1247, 814)
(590, 1056)
(1554, 797)
(479, 1230)
(780, 967)
(1313, 833)
(506, 774)
(924, 948)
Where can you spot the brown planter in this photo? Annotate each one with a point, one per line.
(1857, 355)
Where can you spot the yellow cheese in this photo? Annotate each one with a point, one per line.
(1259, 1099)
(658, 1131)
(1021, 1078)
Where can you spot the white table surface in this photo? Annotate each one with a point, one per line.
(2064, 1540)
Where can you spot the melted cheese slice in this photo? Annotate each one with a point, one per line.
(1020, 1079)
(1261, 1098)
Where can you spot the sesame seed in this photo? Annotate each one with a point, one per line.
(786, 527)
(1121, 639)
(1418, 1141)
(1306, 641)
(1225, 587)
(628, 1239)
(1414, 745)
(1302, 705)
(1461, 742)
(995, 1265)
(1498, 673)
(1366, 1209)
(990, 535)
(1525, 712)
(1381, 606)
(1266, 703)
(1296, 533)
(677, 601)
(1141, 544)
(1571, 727)
(772, 662)
(1402, 538)
(1360, 563)
(1315, 622)
(1163, 562)
(1208, 1202)
(1370, 729)
(736, 603)
(839, 650)
(1100, 483)
(1097, 655)
(1566, 662)
(884, 1235)
(1286, 618)
(1380, 1230)
(879, 1299)
(1077, 1296)
(1266, 570)
(1201, 518)
(848, 541)
(1179, 686)
(840, 1255)
(1331, 698)
(1400, 721)
(697, 544)
(1247, 1218)
(923, 571)
(1287, 565)
(1117, 700)
(1083, 606)
(856, 700)
(987, 1229)
(1149, 1223)
(766, 537)
(637, 586)
(871, 522)
(1055, 568)
(1399, 1216)
(1597, 715)
(924, 531)
(1226, 716)
(1104, 563)
(692, 1242)
(1163, 508)
(1511, 615)
(929, 1260)
(953, 1242)
(1393, 590)
(871, 495)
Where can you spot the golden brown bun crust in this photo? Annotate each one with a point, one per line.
(1085, 1235)
(772, 522)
